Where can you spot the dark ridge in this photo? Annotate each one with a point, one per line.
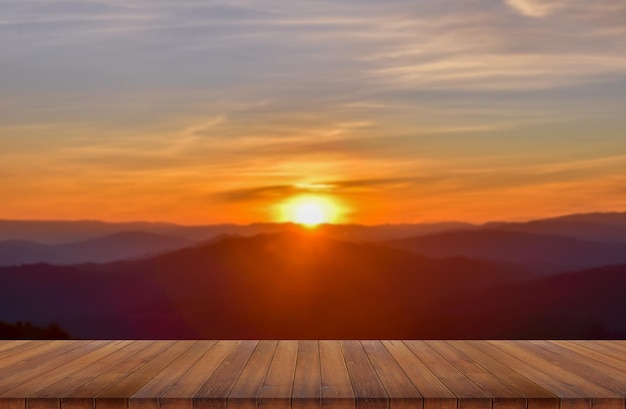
(27, 330)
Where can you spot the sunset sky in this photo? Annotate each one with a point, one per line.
(396, 111)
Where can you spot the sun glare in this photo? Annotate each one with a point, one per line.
(310, 211)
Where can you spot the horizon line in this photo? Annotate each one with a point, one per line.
(226, 223)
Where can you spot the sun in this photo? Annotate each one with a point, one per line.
(309, 214)
(310, 211)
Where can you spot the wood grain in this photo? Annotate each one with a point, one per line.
(307, 382)
(147, 350)
(337, 390)
(278, 384)
(326, 374)
(159, 384)
(583, 387)
(602, 375)
(214, 392)
(246, 390)
(191, 382)
(547, 380)
(402, 393)
(42, 366)
(368, 390)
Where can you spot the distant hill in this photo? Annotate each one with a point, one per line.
(296, 285)
(62, 232)
(118, 246)
(602, 227)
(268, 286)
(17, 252)
(587, 304)
(541, 252)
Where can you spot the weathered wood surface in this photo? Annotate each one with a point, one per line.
(312, 374)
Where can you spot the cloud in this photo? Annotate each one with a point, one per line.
(335, 187)
(536, 8)
(610, 13)
(521, 72)
(249, 99)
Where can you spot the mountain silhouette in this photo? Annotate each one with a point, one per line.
(307, 286)
(61, 232)
(540, 252)
(587, 304)
(118, 246)
(600, 227)
(289, 285)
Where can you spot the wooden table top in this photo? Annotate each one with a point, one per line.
(333, 374)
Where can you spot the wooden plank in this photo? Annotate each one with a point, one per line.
(43, 403)
(40, 365)
(278, 384)
(604, 349)
(12, 358)
(606, 376)
(503, 394)
(578, 403)
(246, 389)
(135, 380)
(369, 392)
(617, 345)
(191, 382)
(34, 355)
(548, 382)
(32, 348)
(10, 347)
(542, 403)
(158, 385)
(64, 386)
(515, 380)
(537, 397)
(12, 403)
(436, 395)
(607, 403)
(334, 374)
(143, 403)
(521, 364)
(402, 394)
(307, 383)
(112, 403)
(337, 390)
(214, 392)
(584, 387)
(470, 395)
(475, 403)
(78, 403)
(114, 374)
(589, 351)
(65, 372)
(176, 403)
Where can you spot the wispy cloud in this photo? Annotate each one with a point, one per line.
(537, 8)
(335, 187)
(610, 11)
(255, 100)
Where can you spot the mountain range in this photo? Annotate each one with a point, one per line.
(117, 246)
(537, 252)
(554, 278)
(541, 246)
(305, 285)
